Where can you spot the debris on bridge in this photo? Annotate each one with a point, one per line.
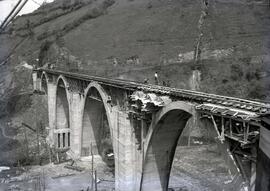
(148, 102)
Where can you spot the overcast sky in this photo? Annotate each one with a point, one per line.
(7, 5)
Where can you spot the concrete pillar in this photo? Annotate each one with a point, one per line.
(140, 155)
(52, 111)
(124, 148)
(76, 117)
(38, 84)
(61, 140)
(263, 161)
(34, 77)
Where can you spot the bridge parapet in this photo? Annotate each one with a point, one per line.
(174, 93)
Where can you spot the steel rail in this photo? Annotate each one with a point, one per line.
(213, 98)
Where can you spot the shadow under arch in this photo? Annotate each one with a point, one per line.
(62, 113)
(97, 124)
(165, 130)
(44, 82)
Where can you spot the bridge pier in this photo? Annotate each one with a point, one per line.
(76, 116)
(52, 88)
(75, 104)
(125, 156)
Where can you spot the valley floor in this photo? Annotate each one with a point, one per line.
(195, 168)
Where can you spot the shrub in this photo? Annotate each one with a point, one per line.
(149, 5)
(257, 91)
(224, 81)
(66, 4)
(108, 3)
(236, 72)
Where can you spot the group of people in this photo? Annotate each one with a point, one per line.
(156, 79)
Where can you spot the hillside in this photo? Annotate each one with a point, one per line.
(131, 39)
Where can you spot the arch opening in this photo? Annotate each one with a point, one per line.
(161, 149)
(201, 161)
(44, 87)
(96, 133)
(62, 131)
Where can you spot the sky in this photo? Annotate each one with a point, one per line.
(7, 5)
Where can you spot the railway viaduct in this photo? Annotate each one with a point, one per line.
(143, 123)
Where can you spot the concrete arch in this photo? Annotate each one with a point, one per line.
(95, 110)
(161, 141)
(45, 75)
(62, 120)
(62, 104)
(105, 97)
(65, 82)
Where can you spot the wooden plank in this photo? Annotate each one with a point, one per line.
(77, 168)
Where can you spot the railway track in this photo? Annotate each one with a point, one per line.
(194, 96)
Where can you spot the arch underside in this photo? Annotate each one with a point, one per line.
(44, 83)
(62, 135)
(161, 150)
(96, 134)
(62, 109)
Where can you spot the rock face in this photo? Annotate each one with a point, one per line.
(134, 39)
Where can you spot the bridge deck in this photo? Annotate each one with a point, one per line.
(196, 96)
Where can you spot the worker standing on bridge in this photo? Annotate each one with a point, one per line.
(156, 78)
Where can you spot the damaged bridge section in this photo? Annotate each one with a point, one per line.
(140, 124)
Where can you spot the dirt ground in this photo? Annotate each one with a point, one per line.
(195, 168)
(56, 177)
(200, 168)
